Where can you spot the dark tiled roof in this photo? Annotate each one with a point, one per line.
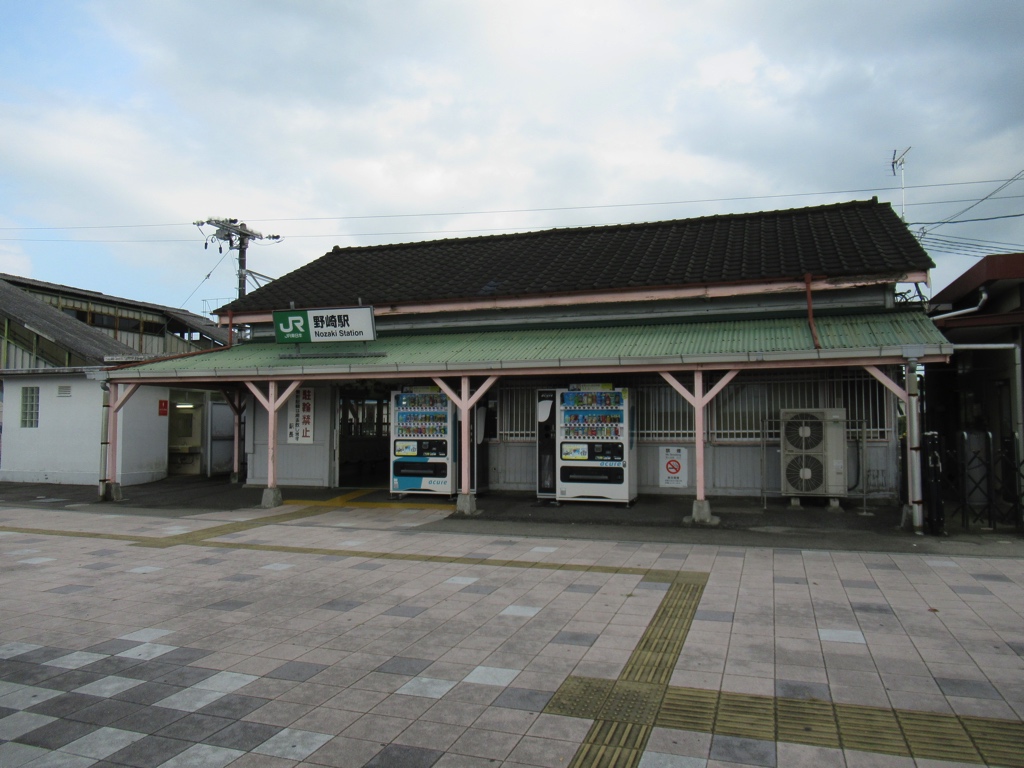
(843, 240)
(71, 334)
(190, 319)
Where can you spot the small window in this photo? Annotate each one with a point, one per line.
(63, 390)
(30, 407)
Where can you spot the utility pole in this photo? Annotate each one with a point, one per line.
(237, 235)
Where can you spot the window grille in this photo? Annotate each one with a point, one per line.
(662, 413)
(63, 390)
(30, 407)
(517, 413)
(751, 401)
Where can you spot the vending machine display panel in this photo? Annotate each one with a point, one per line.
(596, 456)
(422, 447)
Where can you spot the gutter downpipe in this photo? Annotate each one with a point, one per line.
(981, 302)
(915, 495)
(104, 441)
(810, 312)
(1017, 403)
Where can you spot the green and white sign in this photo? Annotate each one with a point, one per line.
(293, 326)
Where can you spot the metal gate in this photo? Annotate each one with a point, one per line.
(975, 480)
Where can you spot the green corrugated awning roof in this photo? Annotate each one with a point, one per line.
(768, 340)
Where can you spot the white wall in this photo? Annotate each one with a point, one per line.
(65, 447)
(142, 437)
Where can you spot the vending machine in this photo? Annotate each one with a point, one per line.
(596, 457)
(423, 442)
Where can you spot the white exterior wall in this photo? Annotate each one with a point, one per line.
(142, 437)
(65, 447)
(307, 464)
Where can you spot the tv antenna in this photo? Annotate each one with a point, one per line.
(237, 235)
(899, 161)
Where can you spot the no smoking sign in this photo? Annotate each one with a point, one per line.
(673, 467)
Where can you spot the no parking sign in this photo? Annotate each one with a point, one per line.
(673, 471)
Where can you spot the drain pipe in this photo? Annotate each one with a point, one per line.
(1018, 384)
(981, 302)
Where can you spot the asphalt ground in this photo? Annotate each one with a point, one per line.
(184, 627)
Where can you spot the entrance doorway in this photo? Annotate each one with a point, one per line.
(364, 423)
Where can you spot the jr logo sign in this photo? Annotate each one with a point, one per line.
(291, 326)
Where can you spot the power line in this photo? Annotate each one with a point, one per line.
(550, 209)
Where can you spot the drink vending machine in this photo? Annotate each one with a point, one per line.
(596, 456)
(422, 442)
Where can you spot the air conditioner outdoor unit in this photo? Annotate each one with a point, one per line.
(814, 452)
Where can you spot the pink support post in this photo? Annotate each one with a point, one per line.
(272, 435)
(465, 411)
(698, 430)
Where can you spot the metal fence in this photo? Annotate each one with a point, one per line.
(977, 483)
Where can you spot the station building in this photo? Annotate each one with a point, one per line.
(726, 332)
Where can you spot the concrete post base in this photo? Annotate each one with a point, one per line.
(110, 492)
(465, 504)
(702, 514)
(272, 498)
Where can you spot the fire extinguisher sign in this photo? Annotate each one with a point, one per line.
(674, 467)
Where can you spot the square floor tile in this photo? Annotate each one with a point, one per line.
(149, 751)
(243, 735)
(204, 756)
(108, 686)
(145, 569)
(427, 687)
(190, 699)
(233, 706)
(13, 726)
(479, 589)
(56, 734)
(194, 727)
(731, 749)
(974, 689)
(842, 636)
(293, 744)
(461, 580)
(278, 566)
(585, 639)
(146, 651)
(520, 610)
(404, 665)
(298, 671)
(229, 605)
(399, 756)
(75, 660)
(408, 611)
(146, 635)
(106, 712)
(65, 704)
(586, 589)
(26, 697)
(10, 650)
(492, 676)
(225, 682)
(110, 647)
(103, 742)
(523, 698)
(705, 614)
(340, 605)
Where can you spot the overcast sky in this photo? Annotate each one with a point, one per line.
(349, 123)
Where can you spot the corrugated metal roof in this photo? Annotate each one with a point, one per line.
(770, 339)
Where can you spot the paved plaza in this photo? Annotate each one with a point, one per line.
(339, 632)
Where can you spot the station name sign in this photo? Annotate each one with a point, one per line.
(294, 326)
